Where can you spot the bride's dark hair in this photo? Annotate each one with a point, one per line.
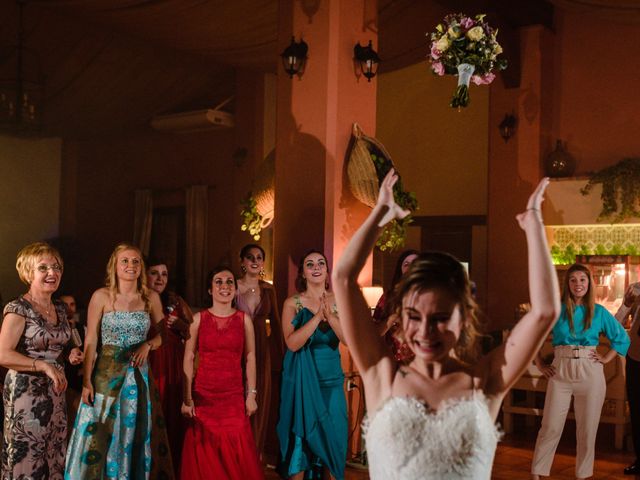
(440, 270)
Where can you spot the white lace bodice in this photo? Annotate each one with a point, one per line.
(404, 441)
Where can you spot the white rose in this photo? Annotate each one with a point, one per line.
(475, 34)
(442, 44)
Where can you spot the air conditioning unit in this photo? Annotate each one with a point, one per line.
(194, 121)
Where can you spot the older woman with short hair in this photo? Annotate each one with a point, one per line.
(34, 333)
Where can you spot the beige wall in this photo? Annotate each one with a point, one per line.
(29, 201)
(441, 153)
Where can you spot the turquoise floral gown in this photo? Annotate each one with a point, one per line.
(313, 411)
(123, 434)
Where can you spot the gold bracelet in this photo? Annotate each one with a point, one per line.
(33, 365)
(189, 402)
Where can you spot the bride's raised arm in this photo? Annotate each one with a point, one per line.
(363, 339)
(509, 361)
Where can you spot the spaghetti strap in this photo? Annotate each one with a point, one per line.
(299, 305)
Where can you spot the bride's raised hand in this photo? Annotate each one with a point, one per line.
(533, 213)
(386, 200)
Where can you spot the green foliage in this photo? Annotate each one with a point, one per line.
(394, 233)
(620, 190)
(568, 255)
(251, 219)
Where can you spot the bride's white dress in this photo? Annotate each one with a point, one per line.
(405, 441)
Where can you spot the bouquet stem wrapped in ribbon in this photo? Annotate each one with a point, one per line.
(461, 97)
(466, 47)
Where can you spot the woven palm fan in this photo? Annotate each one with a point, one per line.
(363, 179)
(265, 201)
(264, 188)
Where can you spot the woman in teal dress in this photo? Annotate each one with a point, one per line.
(313, 413)
(119, 431)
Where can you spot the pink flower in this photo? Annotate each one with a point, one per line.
(484, 79)
(467, 23)
(435, 53)
(438, 68)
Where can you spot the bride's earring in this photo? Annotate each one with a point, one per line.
(262, 274)
(243, 268)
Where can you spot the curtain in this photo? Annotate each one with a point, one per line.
(196, 254)
(143, 220)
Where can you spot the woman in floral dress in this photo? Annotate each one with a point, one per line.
(119, 430)
(33, 335)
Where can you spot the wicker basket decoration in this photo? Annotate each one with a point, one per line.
(368, 163)
(363, 178)
(265, 205)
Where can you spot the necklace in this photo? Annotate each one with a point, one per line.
(47, 310)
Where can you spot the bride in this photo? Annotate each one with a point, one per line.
(435, 417)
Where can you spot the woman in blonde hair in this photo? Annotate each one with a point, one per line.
(435, 416)
(119, 430)
(576, 371)
(34, 333)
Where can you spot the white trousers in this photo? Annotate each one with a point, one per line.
(583, 379)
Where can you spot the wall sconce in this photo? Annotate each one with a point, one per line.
(365, 61)
(294, 58)
(508, 126)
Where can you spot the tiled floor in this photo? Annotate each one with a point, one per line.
(513, 457)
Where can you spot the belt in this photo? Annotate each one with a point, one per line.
(573, 351)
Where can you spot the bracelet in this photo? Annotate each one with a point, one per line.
(188, 402)
(33, 365)
(252, 390)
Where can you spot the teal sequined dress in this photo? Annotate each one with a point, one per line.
(313, 412)
(123, 434)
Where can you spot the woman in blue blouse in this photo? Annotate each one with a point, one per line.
(577, 370)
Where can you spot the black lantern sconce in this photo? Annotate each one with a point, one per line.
(508, 126)
(294, 58)
(365, 61)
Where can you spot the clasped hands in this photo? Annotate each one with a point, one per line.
(324, 312)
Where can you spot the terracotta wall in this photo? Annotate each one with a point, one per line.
(441, 152)
(595, 100)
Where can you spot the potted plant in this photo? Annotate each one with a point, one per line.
(620, 191)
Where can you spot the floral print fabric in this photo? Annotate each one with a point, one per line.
(123, 435)
(35, 417)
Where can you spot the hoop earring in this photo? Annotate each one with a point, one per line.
(326, 285)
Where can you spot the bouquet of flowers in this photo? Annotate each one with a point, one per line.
(467, 47)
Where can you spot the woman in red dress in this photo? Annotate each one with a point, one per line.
(166, 362)
(219, 443)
